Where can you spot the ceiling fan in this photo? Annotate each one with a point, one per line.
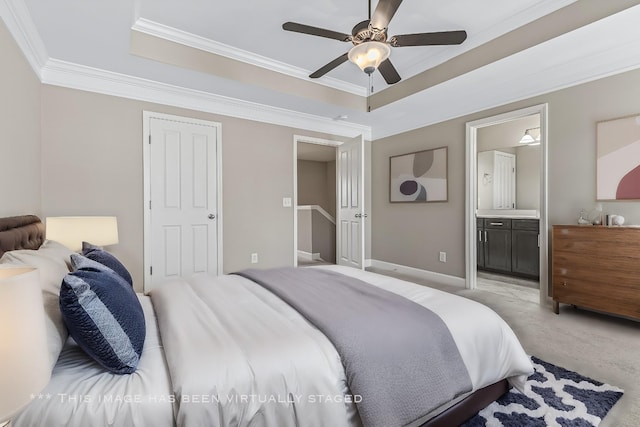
(371, 49)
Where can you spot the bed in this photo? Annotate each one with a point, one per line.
(226, 351)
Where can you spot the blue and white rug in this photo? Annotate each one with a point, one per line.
(553, 396)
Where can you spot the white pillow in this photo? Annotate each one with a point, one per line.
(53, 262)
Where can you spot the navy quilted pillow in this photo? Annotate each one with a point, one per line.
(104, 316)
(103, 257)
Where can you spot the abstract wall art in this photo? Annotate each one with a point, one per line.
(618, 159)
(419, 177)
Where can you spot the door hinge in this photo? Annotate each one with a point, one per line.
(149, 139)
(149, 204)
(150, 271)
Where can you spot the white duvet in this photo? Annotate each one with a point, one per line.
(82, 393)
(239, 356)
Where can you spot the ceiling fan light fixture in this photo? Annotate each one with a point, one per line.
(369, 55)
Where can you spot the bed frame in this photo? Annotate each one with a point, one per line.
(20, 232)
(27, 232)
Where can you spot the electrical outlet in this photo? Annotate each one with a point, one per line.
(286, 202)
(254, 258)
(443, 257)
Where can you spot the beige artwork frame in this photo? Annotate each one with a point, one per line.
(618, 159)
(419, 177)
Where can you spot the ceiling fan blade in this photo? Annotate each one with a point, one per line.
(384, 12)
(429, 39)
(315, 31)
(389, 72)
(330, 66)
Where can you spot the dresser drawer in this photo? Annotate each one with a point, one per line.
(593, 294)
(597, 267)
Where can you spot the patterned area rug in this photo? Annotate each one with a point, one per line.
(553, 396)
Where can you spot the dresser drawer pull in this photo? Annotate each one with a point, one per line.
(564, 283)
(496, 223)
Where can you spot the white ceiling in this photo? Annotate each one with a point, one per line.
(98, 35)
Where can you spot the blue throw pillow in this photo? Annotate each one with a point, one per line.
(103, 257)
(104, 316)
(81, 262)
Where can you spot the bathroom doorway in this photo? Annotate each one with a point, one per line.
(506, 215)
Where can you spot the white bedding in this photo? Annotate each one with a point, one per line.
(82, 393)
(233, 354)
(250, 359)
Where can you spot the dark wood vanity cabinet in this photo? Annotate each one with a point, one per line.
(508, 246)
(525, 247)
(497, 245)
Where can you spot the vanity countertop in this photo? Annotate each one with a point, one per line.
(510, 216)
(508, 213)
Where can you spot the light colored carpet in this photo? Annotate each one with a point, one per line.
(602, 347)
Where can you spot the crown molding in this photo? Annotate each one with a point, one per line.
(482, 92)
(17, 18)
(75, 76)
(188, 39)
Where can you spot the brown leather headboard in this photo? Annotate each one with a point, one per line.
(20, 232)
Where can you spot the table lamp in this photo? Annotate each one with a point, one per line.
(71, 231)
(25, 368)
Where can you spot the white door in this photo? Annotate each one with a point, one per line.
(351, 215)
(504, 191)
(183, 200)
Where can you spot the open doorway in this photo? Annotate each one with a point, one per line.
(316, 204)
(508, 207)
(492, 213)
(348, 198)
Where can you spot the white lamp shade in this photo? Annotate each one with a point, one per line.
(25, 368)
(71, 231)
(369, 55)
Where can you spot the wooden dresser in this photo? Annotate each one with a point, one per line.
(597, 267)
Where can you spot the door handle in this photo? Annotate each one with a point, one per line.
(212, 216)
(361, 215)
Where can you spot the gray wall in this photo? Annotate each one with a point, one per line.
(323, 234)
(20, 131)
(92, 164)
(528, 177)
(413, 234)
(305, 231)
(317, 184)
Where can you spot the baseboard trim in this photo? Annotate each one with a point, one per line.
(308, 256)
(444, 279)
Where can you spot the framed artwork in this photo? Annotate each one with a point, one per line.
(419, 177)
(618, 159)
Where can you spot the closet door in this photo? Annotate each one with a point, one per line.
(504, 190)
(183, 211)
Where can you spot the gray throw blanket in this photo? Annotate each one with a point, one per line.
(398, 355)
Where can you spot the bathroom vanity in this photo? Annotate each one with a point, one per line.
(509, 244)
